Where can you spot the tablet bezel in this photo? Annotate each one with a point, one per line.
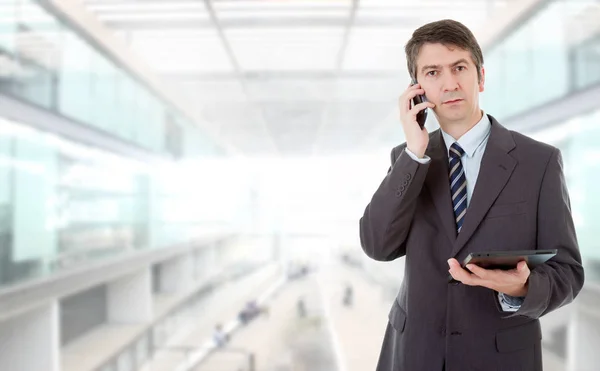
(508, 259)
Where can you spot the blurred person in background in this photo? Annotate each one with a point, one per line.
(348, 297)
(472, 185)
(220, 338)
(249, 312)
(301, 307)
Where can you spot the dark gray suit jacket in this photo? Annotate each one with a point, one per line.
(520, 202)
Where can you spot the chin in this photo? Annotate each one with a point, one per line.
(456, 117)
(451, 116)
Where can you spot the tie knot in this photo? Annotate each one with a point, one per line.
(456, 151)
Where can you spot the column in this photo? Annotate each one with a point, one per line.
(130, 298)
(583, 339)
(30, 342)
(177, 275)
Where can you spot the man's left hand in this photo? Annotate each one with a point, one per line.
(510, 282)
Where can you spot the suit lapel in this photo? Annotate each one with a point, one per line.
(438, 184)
(496, 168)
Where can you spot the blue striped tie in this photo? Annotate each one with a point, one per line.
(458, 185)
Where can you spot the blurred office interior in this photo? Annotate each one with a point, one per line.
(181, 180)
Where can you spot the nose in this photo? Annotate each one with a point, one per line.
(450, 83)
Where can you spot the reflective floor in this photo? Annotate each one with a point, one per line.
(330, 335)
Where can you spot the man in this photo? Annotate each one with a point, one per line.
(220, 338)
(470, 186)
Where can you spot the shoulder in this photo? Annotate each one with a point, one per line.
(523, 146)
(533, 148)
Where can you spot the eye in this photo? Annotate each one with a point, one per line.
(460, 68)
(431, 73)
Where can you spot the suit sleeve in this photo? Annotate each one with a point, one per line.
(556, 283)
(387, 218)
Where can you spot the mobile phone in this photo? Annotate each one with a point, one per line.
(422, 115)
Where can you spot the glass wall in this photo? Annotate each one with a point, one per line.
(555, 52)
(586, 58)
(578, 142)
(582, 160)
(45, 62)
(62, 203)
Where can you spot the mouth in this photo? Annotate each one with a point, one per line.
(453, 101)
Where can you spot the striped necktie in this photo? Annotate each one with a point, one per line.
(458, 185)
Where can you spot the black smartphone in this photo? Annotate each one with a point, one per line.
(422, 115)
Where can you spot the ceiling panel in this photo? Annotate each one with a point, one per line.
(298, 77)
(234, 115)
(376, 49)
(302, 122)
(143, 16)
(187, 50)
(339, 115)
(300, 90)
(372, 90)
(206, 92)
(253, 5)
(286, 49)
(346, 125)
(253, 142)
(135, 6)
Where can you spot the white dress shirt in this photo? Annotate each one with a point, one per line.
(473, 142)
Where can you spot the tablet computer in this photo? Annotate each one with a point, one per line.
(508, 259)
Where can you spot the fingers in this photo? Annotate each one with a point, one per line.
(500, 277)
(478, 271)
(521, 270)
(462, 275)
(499, 280)
(522, 266)
(413, 92)
(419, 107)
(410, 93)
(453, 263)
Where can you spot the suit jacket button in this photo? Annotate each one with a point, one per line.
(407, 177)
(399, 193)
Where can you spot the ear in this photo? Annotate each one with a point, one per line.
(482, 82)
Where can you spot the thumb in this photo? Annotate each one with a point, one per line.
(522, 266)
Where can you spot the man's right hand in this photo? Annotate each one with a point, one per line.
(417, 139)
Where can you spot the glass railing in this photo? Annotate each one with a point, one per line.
(553, 53)
(63, 204)
(44, 61)
(586, 62)
(578, 141)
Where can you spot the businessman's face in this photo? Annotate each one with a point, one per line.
(449, 78)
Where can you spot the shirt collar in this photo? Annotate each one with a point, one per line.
(473, 138)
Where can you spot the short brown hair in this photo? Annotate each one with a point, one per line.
(446, 32)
